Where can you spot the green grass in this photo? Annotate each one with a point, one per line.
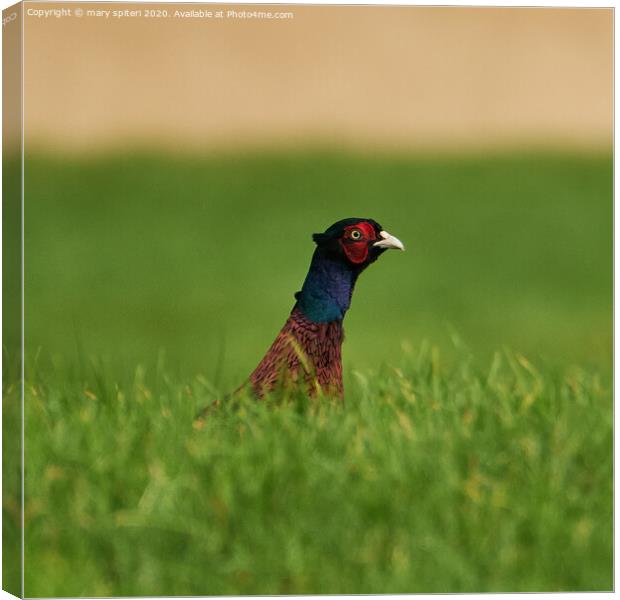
(201, 256)
(452, 469)
(429, 479)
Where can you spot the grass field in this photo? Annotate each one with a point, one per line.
(474, 449)
(428, 480)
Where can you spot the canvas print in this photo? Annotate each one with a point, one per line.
(306, 299)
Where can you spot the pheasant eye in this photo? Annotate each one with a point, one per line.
(355, 235)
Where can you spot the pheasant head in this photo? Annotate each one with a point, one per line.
(342, 252)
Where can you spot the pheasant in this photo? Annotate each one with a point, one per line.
(307, 352)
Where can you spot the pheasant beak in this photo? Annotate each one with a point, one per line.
(388, 241)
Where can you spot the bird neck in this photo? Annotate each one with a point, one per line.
(326, 293)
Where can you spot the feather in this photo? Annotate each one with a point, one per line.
(303, 351)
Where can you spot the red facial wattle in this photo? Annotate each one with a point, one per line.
(356, 250)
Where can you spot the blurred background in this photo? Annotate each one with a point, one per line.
(177, 167)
